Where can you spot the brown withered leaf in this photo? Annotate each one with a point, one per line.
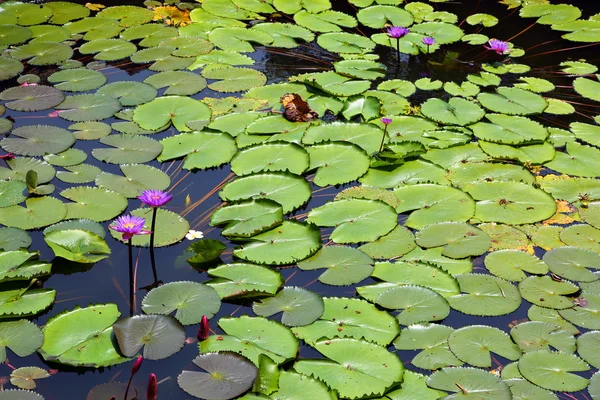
(297, 110)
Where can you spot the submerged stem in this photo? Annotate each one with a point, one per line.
(397, 56)
(128, 385)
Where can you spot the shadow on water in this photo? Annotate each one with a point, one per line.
(107, 280)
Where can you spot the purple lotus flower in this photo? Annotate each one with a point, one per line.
(397, 32)
(129, 226)
(155, 198)
(386, 121)
(429, 41)
(498, 46)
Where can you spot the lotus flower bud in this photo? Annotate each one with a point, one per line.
(152, 388)
(136, 365)
(204, 331)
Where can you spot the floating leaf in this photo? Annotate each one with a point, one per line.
(459, 240)
(253, 336)
(25, 377)
(473, 345)
(509, 264)
(509, 130)
(198, 147)
(170, 228)
(584, 315)
(398, 242)
(43, 53)
(572, 263)
(160, 335)
(355, 220)
(244, 280)
(234, 79)
(471, 383)
(248, 218)
(82, 224)
(88, 107)
(343, 317)
(22, 337)
(553, 371)
(291, 191)
(513, 101)
(137, 179)
(485, 295)
(373, 369)
(433, 340)
(227, 375)
(82, 173)
(90, 328)
(286, 244)
(127, 149)
(189, 300)
(345, 265)
(32, 98)
(38, 140)
(418, 304)
(545, 292)
(299, 306)
(90, 130)
(406, 273)
(176, 109)
(537, 335)
(38, 212)
(77, 245)
(93, 203)
(14, 239)
(337, 163)
(129, 93)
(9, 68)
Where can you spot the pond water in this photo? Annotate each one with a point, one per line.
(195, 193)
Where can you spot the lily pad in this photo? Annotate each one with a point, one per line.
(129, 93)
(136, 179)
(470, 383)
(127, 149)
(176, 109)
(299, 306)
(160, 335)
(38, 212)
(199, 149)
(244, 280)
(93, 203)
(554, 370)
(345, 265)
(88, 107)
(38, 140)
(459, 240)
(43, 53)
(545, 292)
(22, 337)
(473, 345)
(32, 98)
(77, 245)
(248, 218)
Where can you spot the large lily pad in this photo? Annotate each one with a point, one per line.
(89, 328)
(37, 213)
(38, 140)
(176, 109)
(160, 335)
(32, 98)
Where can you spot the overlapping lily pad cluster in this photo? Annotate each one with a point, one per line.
(476, 174)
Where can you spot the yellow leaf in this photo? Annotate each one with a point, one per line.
(94, 7)
(172, 16)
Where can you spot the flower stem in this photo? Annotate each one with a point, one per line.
(127, 389)
(131, 284)
(397, 56)
(152, 259)
(383, 138)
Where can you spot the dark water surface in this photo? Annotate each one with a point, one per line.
(107, 281)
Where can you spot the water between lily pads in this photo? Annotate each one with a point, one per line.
(107, 281)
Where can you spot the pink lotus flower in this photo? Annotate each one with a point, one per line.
(204, 331)
(397, 32)
(129, 226)
(155, 198)
(136, 365)
(498, 46)
(152, 390)
(28, 84)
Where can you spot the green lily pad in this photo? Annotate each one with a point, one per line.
(88, 107)
(538, 335)
(485, 295)
(579, 160)
(25, 377)
(32, 98)
(189, 300)
(180, 83)
(93, 203)
(90, 130)
(355, 220)
(199, 149)
(433, 340)
(14, 239)
(234, 79)
(80, 224)
(545, 292)
(12, 193)
(127, 15)
(553, 370)
(573, 263)
(248, 218)
(509, 264)
(244, 280)
(417, 304)
(22, 337)
(288, 243)
(419, 274)
(170, 228)
(513, 101)
(508, 129)
(38, 212)
(470, 383)
(129, 93)
(457, 111)
(90, 328)
(127, 149)
(9, 68)
(227, 375)
(136, 179)
(66, 158)
(13, 34)
(82, 173)
(377, 370)
(20, 166)
(253, 336)
(459, 240)
(291, 191)
(299, 306)
(325, 21)
(43, 53)
(337, 163)
(238, 39)
(77, 245)
(473, 345)
(38, 140)
(344, 317)
(345, 265)
(585, 316)
(160, 335)
(176, 109)
(398, 242)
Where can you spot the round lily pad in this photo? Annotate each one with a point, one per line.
(129, 93)
(176, 109)
(37, 213)
(127, 149)
(573, 263)
(344, 265)
(473, 345)
(90, 130)
(170, 228)
(485, 295)
(545, 292)
(137, 179)
(66, 158)
(32, 98)
(538, 335)
(299, 306)
(14, 239)
(43, 53)
(88, 107)
(93, 203)
(160, 335)
(554, 370)
(77, 80)
(459, 239)
(12, 193)
(37, 140)
(510, 264)
(9, 67)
